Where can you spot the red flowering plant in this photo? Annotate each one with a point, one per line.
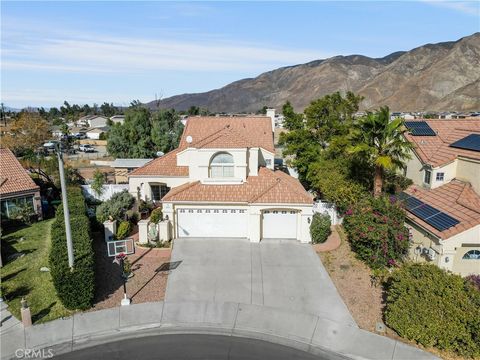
(376, 231)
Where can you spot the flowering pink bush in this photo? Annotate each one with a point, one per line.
(376, 230)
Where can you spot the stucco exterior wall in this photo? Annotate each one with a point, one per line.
(143, 183)
(198, 162)
(450, 173)
(449, 251)
(415, 170)
(469, 170)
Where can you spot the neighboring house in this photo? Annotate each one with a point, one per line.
(443, 209)
(16, 187)
(93, 121)
(117, 119)
(96, 132)
(123, 167)
(220, 182)
(57, 132)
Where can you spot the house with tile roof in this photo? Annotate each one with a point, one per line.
(444, 210)
(220, 182)
(16, 187)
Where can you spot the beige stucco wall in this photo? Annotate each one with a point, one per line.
(469, 170)
(143, 183)
(449, 170)
(254, 214)
(449, 251)
(415, 170)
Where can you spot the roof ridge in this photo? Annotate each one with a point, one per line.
(270, 187)
(467, 186)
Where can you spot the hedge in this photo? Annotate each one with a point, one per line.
(376, 231)
(435, 308)
(75, 288)
(156, 215)
(320, 228)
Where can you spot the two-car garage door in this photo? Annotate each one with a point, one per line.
(233, 223)
(224, 223)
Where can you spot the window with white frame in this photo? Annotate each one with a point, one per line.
(158, 191)
(222, 166)
(440, 176)
(427, 177)
(472, 255)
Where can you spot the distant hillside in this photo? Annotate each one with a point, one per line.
(440, 77)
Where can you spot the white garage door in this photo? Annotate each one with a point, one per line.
(279, 224)
(212, 223)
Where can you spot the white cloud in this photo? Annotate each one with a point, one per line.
(466, 7)
(83, 52)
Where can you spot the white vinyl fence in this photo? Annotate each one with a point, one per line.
(324, 207)
(108, 191)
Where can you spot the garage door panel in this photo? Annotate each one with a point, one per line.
(279, 224)
(212, 223)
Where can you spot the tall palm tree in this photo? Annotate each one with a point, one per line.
(382, 143)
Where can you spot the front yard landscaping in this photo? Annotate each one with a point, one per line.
(362, 292)
(21, 276)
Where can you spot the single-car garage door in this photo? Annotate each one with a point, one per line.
(223, 222)
(279, 224)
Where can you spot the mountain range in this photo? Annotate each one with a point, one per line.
(432, 77)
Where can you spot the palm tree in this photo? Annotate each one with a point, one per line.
(382, 143)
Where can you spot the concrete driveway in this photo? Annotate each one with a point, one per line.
(283, 274)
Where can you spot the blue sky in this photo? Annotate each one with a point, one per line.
(86, 52)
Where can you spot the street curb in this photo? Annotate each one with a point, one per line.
(307, 332)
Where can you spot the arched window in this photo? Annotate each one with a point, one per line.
(472, 255)
(221, 165)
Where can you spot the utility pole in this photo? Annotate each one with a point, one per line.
(66, 212)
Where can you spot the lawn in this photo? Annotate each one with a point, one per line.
(21, 277)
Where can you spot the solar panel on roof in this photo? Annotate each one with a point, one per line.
(424, 211)
(419, 128)
(432, 216)
(470, 142)
(442, 221)
(411, 203)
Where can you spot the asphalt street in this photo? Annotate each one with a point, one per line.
(190, 347)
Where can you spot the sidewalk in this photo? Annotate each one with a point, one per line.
(306, 332)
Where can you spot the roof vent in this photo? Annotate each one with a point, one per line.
(189, 139)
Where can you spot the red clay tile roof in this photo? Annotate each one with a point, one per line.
(165, 165)
(229, 132)
(457, 199)
(213, 132)
(13, 177)
(435, 150)
(267, 187)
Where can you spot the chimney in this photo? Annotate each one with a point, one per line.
(271, 115)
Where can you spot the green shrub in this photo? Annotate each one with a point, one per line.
(320, 228)
(156, 215)
(75, 289)
(23, 213)
(124, 229)
(132, 216)
(376, 230)
(434, 308)
(115, 207)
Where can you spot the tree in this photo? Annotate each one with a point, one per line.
(382, 143)
(98, 182)
(108, 109)
(27, 133)
(143, 134)
(321, 130)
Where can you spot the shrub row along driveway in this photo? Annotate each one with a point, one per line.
(283, 274)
